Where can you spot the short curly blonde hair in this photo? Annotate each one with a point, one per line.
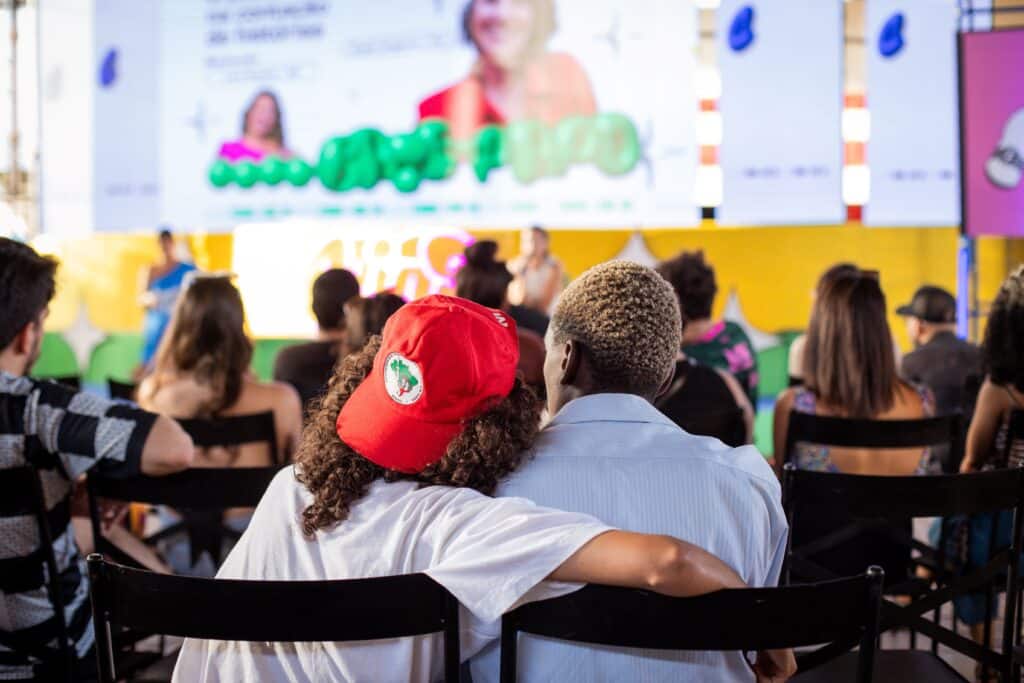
(627, 318)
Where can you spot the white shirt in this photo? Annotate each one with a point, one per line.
(615, 456)
(491, 554)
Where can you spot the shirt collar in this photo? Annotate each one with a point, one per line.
(943, 337)
(610, 408)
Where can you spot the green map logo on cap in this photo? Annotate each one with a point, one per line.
(403, 379)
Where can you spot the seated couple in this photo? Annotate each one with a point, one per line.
(417, 431)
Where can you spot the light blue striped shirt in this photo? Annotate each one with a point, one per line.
(616, 457)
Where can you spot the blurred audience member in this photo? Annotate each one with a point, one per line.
(796, 348)
(394, 476)
(62, 434)
(990, 445)
(941, 361)
(163, 283)
(720, 344)
(849, 371)
(1003, 390)
(367, 317)
(707, 401)
(486, 280)
(539, 276)
(608, 452)
(202, 370)
(307, 367)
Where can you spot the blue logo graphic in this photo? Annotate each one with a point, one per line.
(890, 40)
(741, 31)
(108, 68)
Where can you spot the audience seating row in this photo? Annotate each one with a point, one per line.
(866, 502)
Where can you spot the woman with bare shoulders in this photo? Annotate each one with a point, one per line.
(849, 371)
(202, 370)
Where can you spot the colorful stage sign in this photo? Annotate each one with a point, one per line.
(781, 151)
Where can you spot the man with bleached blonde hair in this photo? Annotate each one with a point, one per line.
(609, 452)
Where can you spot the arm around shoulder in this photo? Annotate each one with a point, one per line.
(659, 563)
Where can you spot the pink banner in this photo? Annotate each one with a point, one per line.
(993, 132)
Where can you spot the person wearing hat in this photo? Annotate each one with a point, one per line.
(941, 361)
(393, 477)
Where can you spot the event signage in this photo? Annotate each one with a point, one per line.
(208, 114)
(781, 151)
(911, 95)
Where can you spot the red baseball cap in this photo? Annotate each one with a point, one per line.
(442, 361)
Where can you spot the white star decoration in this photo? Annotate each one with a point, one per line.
(83, 337)
(734, 312)
(636, 250)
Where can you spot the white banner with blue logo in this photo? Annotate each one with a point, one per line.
(911, 94)
(781, 104)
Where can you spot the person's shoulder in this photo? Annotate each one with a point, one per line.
(436, 104)
(561, 63)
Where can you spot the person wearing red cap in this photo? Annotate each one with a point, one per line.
(393, 477)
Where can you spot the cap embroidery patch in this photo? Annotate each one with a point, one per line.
(403, 379)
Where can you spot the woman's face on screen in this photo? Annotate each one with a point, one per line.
(262, 117)
(502, 29)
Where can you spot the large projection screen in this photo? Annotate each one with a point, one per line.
(992, 130)
(209, 113)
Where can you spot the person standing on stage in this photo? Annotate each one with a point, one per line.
(163, 283)
(539, 276)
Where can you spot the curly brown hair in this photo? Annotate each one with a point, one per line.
(490, 447)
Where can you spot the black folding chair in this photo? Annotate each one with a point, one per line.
(729, 426)
(874, 543)
(197, 490)
(269, 611)
(70, 381)
(122, 390)
(877, 503)
(24, 496)
(841, 613)
(842, 432)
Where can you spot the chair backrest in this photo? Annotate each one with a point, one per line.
(233, 430)
(876, 502)
(70, 381)
(842, 613)
(122, 390)
(197, 490)
(23, 495)
(844, 432)
(272, 611)
(728, 426)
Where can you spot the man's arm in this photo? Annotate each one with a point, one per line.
(659, 563)
(167, 449)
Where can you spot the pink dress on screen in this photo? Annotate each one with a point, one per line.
(237, 150)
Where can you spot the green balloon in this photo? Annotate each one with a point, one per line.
(221, 173)
(408, 149)
(433, 133)
(525, 141)
(575, 138)
(246, 174)
(272, 170)
(618, 144)
(407, 179)
(331, 168)
(439, 166)
(299, 172)
(490, 151)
